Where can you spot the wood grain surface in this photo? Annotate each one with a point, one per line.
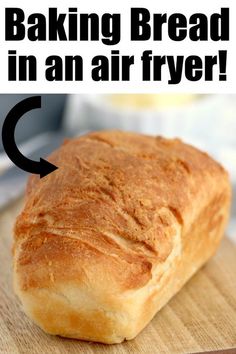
(201, 317)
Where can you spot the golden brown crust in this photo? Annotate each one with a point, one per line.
(123, 215)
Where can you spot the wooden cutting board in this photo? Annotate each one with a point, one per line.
(201, 317)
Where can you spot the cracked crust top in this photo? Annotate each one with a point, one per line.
(113, 205)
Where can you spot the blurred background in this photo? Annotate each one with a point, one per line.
(205, 121)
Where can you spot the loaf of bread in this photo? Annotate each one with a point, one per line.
(106, 240)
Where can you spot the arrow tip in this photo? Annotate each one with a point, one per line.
(46, 168)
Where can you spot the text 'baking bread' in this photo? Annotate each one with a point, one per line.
(107, 239)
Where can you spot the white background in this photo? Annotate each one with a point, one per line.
(89, 49)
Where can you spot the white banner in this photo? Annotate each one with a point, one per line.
(117, 47)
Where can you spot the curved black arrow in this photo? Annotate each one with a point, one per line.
(42, 167)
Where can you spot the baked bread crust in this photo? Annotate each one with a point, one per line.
(105, 241)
